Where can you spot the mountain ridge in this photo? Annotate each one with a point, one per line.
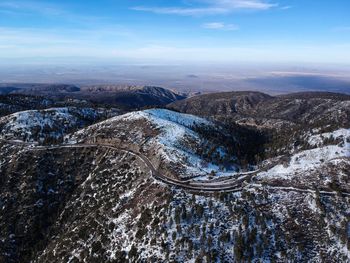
(123, 96)
(166, 186)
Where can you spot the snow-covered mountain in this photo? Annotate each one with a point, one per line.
(48, 125)
(166, 136)
(163, 186)
(318, 167)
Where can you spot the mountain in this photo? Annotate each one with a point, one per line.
(14, 103)
(171, 139)
(4, 89)
(130, 96)
(11, 103)
(163, 186)
(308, 107)
(48, 89)
(127, 97)
(282, 120)
(224, 103)
(34, 89)
(297, 108)
(49, 125)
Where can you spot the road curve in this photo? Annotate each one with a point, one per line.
(225, 186)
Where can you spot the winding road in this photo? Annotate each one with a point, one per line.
(229, 185)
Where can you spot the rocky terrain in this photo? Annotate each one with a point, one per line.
(223, 183)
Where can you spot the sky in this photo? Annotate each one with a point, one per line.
(176, 31)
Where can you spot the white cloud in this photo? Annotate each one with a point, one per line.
(182, 11)
(220, 26)
(244, 4)
(285, 7)
(210, 7)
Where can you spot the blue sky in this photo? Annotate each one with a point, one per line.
(187, 31)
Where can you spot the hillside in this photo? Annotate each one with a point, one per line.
(308, 107)
(282, 120)
(49, 125)
(170, 138)
(135, 187)
(14, 103)
(296, 108)
(224, 103)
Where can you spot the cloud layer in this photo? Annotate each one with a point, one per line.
(210, 7)
(220, 26)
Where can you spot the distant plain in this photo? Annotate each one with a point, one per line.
(272, 79)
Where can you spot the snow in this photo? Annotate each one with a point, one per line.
(317, 140)
(309, 159)
(51, 122)
(186, 120)
(175, 134)
(34, 118)
(175, 141)
(314, 158)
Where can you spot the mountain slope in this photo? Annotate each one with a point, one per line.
(224, 103)
(102, 203)
(168, 137)
(15, 102)
(48, 125)
(155, 185)
(252, 107)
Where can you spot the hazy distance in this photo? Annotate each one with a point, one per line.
(277, 79)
